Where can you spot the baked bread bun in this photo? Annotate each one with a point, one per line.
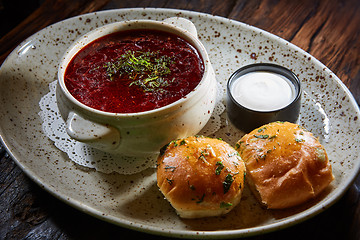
(200, 176)
(286, 165)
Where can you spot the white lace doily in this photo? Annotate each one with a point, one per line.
(82, 154)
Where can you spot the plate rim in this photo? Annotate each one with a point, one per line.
(287, 222)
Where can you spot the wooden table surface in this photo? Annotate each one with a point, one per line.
(328, 30)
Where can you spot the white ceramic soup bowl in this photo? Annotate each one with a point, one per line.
(142, 133)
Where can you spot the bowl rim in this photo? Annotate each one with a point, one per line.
(107, 29)
(267, 67)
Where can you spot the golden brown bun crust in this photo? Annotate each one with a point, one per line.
(286, 165)
(200, 176)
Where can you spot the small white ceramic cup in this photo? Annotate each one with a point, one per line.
(143, 133)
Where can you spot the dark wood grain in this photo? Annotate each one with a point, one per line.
(328, 30)
(49, 12)
(311, 25)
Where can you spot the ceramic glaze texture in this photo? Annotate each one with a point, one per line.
(142, 133)
(328, 110)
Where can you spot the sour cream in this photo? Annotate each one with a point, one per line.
(263, 91)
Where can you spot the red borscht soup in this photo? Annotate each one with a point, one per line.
(134, 71)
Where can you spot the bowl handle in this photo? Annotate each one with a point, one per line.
(182, 23)
(100, 136)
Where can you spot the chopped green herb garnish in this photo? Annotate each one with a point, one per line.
(227, 182)
(201, 199)
(225, 205)
(233, 154)
(299, 140)
(202, 158)
(220, 167)
(262, 136)
(171, 168)
(262, 129)
(273, 136)
(145, 69)
(206, 152)
(170, 181)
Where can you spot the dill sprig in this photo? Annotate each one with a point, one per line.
(144, 69)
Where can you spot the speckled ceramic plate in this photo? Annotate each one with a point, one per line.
(328, 109)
